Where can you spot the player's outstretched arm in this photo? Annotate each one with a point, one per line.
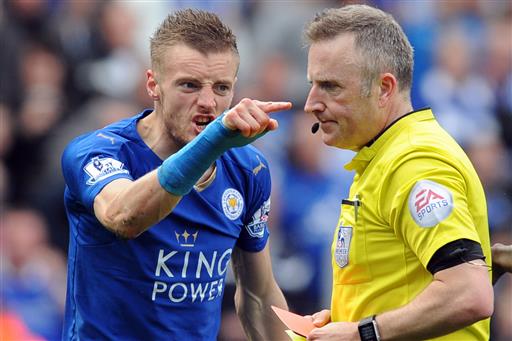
(128, 208)
(256, 291)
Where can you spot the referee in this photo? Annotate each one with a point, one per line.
(411, 252)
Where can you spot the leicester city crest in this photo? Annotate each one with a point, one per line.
(343, 246)
(232, 203)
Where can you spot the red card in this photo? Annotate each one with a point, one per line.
(297, 323)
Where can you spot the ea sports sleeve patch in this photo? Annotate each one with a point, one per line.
(429, 203)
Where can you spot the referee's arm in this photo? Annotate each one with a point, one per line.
(460, 294)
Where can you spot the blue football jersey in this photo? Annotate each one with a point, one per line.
(168, 283)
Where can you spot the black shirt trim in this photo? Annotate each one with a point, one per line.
(392, 123)
(455, 253)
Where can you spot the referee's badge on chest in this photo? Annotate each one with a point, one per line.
(342, 249)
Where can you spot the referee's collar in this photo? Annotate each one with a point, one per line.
(366, 154)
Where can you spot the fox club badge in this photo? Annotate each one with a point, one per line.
(342, 249)
(232, 203)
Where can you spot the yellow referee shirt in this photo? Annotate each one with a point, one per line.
(414, 191)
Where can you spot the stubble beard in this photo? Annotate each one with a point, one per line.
(173, 133)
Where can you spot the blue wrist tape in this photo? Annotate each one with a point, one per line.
(180, 171)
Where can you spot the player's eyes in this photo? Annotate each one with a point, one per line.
(222, 89)
(189, 86)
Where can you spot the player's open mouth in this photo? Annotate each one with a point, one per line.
(202, 121)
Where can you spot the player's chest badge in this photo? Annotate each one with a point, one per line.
(232, 203)
(342, 249)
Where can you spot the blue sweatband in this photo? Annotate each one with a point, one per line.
(180, 171)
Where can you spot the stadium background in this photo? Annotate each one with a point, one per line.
(69, 66)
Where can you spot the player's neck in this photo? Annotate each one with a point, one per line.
(152, 133)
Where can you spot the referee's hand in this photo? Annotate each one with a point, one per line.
(320, 318)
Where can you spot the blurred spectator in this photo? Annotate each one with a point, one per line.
(115, 74)
(455, 91)
(491, 161)
(24, 23)
(74, 32)
(419, 21)
(73, 29)
(270, 83)
(6, 141)
(10, 83)
(6, 130)
(497, 65)
(32, 273)
(29, 17)
(42, 74)
(306, 203)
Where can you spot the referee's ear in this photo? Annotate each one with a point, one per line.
(388, 87)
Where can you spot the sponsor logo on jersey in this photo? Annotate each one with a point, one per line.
(190, 276)
(232, 203)
(430, 203)
(110, 138)
(342, 249)
(256, 227)
(101, 168)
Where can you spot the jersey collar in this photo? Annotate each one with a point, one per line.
(366, 154)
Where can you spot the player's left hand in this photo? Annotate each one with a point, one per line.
(335, 331)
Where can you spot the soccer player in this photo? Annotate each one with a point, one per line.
(159, 204)
(411, 251)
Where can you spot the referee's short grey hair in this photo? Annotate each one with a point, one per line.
(379, 39)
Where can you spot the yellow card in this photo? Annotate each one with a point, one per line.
(294, 337)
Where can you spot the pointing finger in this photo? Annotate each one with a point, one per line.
(269, 107)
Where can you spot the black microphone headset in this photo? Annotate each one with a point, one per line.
(315, 127)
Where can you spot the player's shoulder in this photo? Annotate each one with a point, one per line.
(247, 158)
(111, 137)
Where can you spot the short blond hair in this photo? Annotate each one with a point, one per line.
(200, 30)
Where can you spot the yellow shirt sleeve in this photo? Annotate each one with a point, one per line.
(433, 190)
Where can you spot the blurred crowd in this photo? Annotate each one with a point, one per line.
(71, 66)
